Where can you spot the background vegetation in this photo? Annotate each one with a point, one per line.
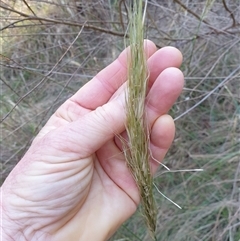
(50, 48)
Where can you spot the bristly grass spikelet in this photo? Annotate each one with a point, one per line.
(137, 151)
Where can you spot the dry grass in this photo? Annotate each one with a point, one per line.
(136, 149)
(207, 32)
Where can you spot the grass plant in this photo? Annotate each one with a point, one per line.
(137, 148)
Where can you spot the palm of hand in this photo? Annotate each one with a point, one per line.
(74, 174)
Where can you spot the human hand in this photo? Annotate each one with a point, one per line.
(73, 182)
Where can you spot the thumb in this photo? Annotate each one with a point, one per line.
(90, 132)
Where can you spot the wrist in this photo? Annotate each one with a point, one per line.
(87, 227)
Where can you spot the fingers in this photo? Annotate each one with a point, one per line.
(161, 138)
(88, 133)
(162, 59)
(164, 92)
(101, 88)
(108, 83)
(95, 128)
(113, 162)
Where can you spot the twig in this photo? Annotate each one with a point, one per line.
(231, 14)
(30, 9)
(76, 24)
(209, 94)
(176, 171)
(10, 87)
(195, 15)
(166, 197)
(214, 65)
(45, 77)
(120, 12)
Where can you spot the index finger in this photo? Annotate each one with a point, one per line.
(101, 88)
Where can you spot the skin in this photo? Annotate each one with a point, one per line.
(73, 182)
